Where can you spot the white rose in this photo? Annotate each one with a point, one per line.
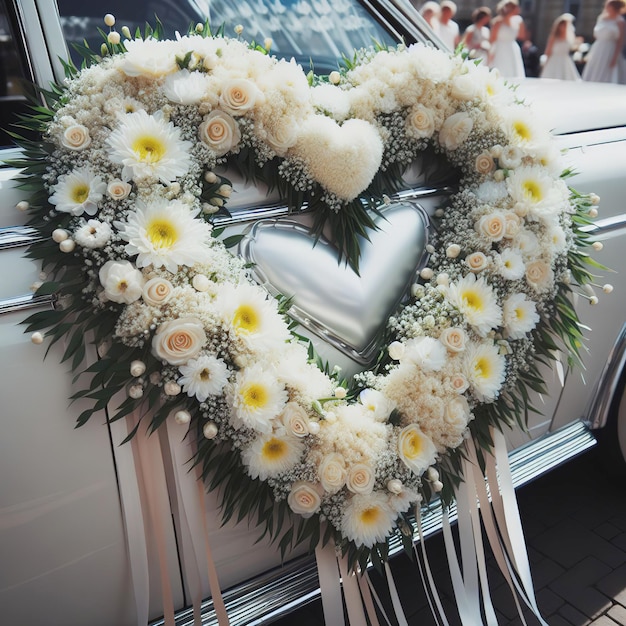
(513, 225)
(415, 449)
(304, 498)
(220, 132)
(453, 339)
(484, 163)
(421, 122)
(179, 340)
(511, 157)
(360, 478)
(122, 281)
(464, 87)
(332, 472)
(455, 130)
(239, 95)
(457, 413)
(118, 189)
(476, 261)
(295, 419)
(491, 226)
(282, 136)
(396, 350)
(76, 137)
(157, 291)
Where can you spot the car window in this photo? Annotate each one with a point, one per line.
(14, 72)
(317, 31)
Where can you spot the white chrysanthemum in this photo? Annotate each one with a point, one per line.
(523, 127)
(93, 234)
(165, 234)
(256, 398)
(149, 147)
(252, 316)
(203, 377)
(331, 99)
(484, 368)
(510, 264)
(378, 405)
(427, 353)
(186, 87)
(271, 454)
(302, 377)
(367, 519)
(519, 315)
(122, 281)
(402, 501)
(534, 189)
(149, 57)
(78, 192)
(557, 240)
(527, 242)
(475, 299)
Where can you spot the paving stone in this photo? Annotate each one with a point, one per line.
(573, 616)
(569, 543)
(584, 574)
(619, 541)
(545, 572)
(618, 614)
(614, 585)
(558, 620)
(603, 621)
(548, 602)
(607, 531)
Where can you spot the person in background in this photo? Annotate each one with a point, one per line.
(505, 54)
(559, 64)
(605, 63)
(531, 57)
(448, 28)
(476, 35)
(430, 11)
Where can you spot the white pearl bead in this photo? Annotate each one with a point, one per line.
(67, 246)
(36, 338)
(209, 430)
(59, 235)
(182, 417)
(109, 19)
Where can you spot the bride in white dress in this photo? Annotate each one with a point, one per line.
(605, 63)
(559, 63)
(505, 54)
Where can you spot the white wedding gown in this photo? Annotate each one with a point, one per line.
(560, 64)
(507, 55)
(606, 33)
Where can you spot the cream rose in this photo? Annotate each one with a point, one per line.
(295, 419)
(360, 478)
(491, 226)
(457, 413)
(539, 274)
(76, 137)
(453, 339)
(179, 340)
(464, 87)
(239, 95)
(459, 383)
(157, 291)
(118, 189)
(455, 130)
(513, 225)
(511, 157)
(421, 122)
(484, 163)
(476, 261)
(220, 132)
(282, 137)
(122, 281)
(415, 449)
(332, 472)
(304, 499)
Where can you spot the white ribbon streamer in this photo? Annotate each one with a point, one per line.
(352, 595)
(395, 599)
(330, 583)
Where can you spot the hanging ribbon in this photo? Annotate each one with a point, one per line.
(330, 583)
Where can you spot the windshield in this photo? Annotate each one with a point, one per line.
(314, 32)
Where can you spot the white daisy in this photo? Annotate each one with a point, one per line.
(520, 315)
(149, 147)
(378, 405)
(78, 192)
(203, 377)
(523, 128)
(484, 368)
(253, 317)
(271, 454)
(368, 519)
(256, 398)
(510, 264)
(534, 190)
(165, 234)
(475, 299)
(93, 234)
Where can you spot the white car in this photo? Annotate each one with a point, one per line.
(66, 538)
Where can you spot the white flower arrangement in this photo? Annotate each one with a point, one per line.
(134, 144)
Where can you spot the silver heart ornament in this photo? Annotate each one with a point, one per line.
(347, 310)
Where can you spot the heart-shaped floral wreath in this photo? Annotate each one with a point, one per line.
(124, 190)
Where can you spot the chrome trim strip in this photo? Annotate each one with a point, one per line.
(606, 225)
(18, 236)
(598, 409)
(23, 303)
(287, 588)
